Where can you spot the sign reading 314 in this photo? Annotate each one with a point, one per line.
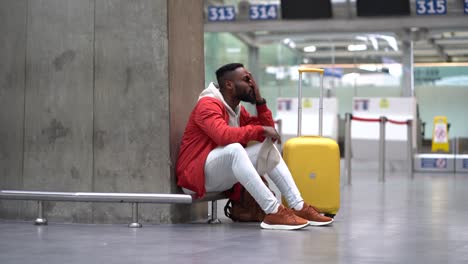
(431, 7)
(263, 12)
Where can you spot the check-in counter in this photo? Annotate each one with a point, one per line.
(461, 163)
(433, 162)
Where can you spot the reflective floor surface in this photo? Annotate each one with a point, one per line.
(424, 220)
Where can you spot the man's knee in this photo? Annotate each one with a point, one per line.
(235, 149)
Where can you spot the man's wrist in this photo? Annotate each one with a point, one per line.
(261, 102)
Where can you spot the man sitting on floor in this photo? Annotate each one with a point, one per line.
(213, 156)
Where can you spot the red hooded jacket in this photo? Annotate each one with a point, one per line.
(208, 128)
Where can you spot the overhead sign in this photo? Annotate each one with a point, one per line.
(263, 12)
(221, 13)
(466, 6)
(427, 74)
(432, 7)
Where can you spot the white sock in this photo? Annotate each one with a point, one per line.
(299, 206)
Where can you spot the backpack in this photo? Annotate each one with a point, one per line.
(242, 207)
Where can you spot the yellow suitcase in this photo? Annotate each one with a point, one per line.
(314, 161)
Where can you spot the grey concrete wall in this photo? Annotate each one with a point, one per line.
(12, 84)
(131, 103)
(89, 84)
(59, 102)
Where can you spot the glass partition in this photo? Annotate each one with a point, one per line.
(222, 48)
(440, 88)
(443, 90)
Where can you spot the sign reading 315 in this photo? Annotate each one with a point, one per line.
(431, 7)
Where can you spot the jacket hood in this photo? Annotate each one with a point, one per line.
(213, 91)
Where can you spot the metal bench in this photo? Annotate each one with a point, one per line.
(133, 198)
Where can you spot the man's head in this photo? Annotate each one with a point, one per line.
(235, 81)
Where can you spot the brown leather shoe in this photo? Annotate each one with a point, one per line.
(284, 219)
(313, 216)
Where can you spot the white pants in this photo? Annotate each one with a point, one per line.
(233, 163)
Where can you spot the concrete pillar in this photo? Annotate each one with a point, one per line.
(186, 81)
(408, 37)
(253, 60)
(407, 82)
(102, 90)
(253, 66)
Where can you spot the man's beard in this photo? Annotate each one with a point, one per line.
(247, 97)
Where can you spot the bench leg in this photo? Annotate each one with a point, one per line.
(214, 213)
(40, 220)
(134, 223)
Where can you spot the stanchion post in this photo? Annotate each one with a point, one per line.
(409, 123)
(347, 146)
(40, 220)
(383, 121)
(214, 213)
(134, 223)
(320, 106)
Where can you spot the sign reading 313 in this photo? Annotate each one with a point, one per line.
(221, 13)
(431, 7)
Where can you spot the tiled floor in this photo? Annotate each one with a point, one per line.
(400, 221)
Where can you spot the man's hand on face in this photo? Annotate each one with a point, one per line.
(272, 133)
(253, 84)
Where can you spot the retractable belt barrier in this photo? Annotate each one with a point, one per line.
(378, 120)
(382, 120)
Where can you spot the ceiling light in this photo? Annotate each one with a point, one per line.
(286, 41)
(233, 50)
(357, 47)
(310, 49)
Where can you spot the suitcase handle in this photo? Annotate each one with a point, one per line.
(299, 102)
